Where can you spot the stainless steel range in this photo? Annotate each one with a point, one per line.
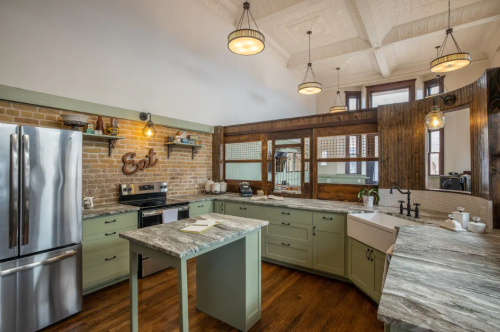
(155, 209)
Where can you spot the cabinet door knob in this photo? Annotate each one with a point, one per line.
(109, 222)
(200, 206)
(286, 213)
(284, 223)
(243, 208)
(328, 218)
(366, 254)
(285, 244)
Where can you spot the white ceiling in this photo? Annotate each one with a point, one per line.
(368, 39)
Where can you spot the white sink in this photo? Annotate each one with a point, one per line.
(377, 230)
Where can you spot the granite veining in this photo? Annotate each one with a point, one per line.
(168, 238)
(319, 205)
(443, 281)
(107, 210)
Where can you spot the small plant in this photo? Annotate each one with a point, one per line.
(372, 192)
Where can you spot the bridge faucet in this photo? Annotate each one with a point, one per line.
(408, 203)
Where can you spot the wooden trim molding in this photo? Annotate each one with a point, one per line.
(390, 86)
(431, 82)
(353, 94)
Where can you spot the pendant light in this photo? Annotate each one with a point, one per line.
(435, 119)
(341, 107)
(246, 41)
(445, 63)
(149, 129)
(314, 87)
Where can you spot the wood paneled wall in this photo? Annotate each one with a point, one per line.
(403, 136)
(493, 81)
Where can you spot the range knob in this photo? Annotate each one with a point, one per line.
(124, 190)
(129, 189)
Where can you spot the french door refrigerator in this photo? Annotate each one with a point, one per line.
(40, 226)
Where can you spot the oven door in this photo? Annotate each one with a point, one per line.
(148, 266)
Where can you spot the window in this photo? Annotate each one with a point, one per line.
(390, 93)
(436, 152)
(353, 100)
(432, 87)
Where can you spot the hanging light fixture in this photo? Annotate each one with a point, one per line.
(314, 87)
(445, 63)
(246, 41)
(149, 129)
(341, 107)
(435, 119)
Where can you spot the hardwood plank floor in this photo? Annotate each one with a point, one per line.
(291, 301)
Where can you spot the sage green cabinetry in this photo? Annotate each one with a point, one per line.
(199, 208)
(219, 207)
(288, 252)
(105, 254)
(329, 242)
(365, 268)
(289, 232)
(288, 215)
(244, 210)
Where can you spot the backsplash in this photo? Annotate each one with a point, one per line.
(442, 202)
(103, 174)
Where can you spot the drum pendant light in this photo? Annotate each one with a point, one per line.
(313, 87)
(454, 61)
(246, 41)
(341, 107)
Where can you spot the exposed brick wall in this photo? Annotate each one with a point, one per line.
(103, 174)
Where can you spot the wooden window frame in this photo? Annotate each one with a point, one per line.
(353, 94)
(431, 83)
(441, 154)
(410, 84)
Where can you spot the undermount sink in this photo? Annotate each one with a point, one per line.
(377, 230)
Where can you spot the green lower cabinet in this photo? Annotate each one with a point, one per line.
(105, 254)
(329, 243)
(365, 268)
(289, 232)
(244, 210)
(287, 252)
(197, 209)
(219, 207)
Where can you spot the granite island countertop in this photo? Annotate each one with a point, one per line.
(107, 210)
(168, 238)
(443, 281)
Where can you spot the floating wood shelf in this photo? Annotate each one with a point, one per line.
(195, 147)
(111, 140)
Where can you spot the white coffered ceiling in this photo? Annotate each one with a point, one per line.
(367, 39)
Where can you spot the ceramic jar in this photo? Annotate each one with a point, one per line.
(215, 188)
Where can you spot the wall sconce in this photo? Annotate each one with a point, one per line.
(149, 129)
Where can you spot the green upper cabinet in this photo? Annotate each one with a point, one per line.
(199, 208)
(219, 207)
(365, 268)
(329, 242)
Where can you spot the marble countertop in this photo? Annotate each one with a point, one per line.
(168, 238)
(443, 281)
(107, 210)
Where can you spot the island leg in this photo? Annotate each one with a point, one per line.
(183, 296)
(134, 321)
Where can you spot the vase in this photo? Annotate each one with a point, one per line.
(368, 201)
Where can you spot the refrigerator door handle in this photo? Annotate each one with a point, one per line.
(14, 190)
(44, 262)
(26, 189)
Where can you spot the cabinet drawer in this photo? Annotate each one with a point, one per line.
(289, 232)
(244, 210)
(100, 245)
(329, 222)
(288, 215)
(101, 270)
(287, 252)
(109, 223)
(197, 209)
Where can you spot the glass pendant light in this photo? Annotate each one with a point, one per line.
(435, 119)
(246, 41)
(445, 63)
(314, 87)
(149, 129)
(341, 107)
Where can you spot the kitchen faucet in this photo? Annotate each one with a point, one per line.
(408, 204)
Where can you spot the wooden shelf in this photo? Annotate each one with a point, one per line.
(111, 140)
(194, 147)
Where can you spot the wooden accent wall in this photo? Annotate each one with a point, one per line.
(403, 135)
(218, 154)
(493, 81)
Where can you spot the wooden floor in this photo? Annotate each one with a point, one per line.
(291, 301)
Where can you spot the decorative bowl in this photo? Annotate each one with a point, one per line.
(75, 120)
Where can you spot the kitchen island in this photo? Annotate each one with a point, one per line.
(443, 281)
(228, 278)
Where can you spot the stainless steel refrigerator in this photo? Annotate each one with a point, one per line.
(40, 226)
